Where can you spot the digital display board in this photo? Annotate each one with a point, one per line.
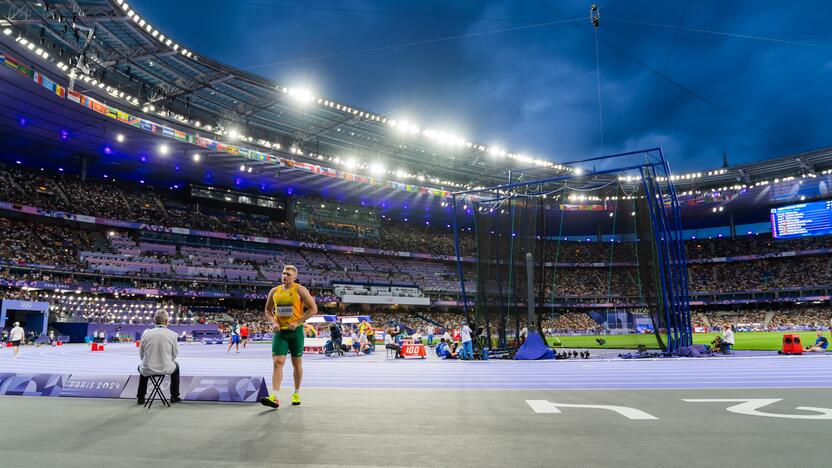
(804, 219)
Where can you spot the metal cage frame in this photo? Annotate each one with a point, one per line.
(665, 217)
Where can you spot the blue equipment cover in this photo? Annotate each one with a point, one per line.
(534, 348)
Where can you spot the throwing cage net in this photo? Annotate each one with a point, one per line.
(587, 260)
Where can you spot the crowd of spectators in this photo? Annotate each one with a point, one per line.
(571, 322)
(766, 319)
(26, 242)
(112, 199)
(761, 275)
(30, 242)
(760, 244)
(44, 244)
(808, 318)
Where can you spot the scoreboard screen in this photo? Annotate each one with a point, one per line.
(804, 219)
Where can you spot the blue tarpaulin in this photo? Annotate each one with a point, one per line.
(534, 348)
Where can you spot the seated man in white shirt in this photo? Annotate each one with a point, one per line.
(390, 343)
(364, 343)
(727, 338)
(158, 352)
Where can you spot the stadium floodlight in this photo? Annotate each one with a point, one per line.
(578, 171)
(163, 149)
(120, 138)
(303, 95)
(7, 31)
(242, 167)
(351, 163)
(402, 126)
(377, 168)
(233, 134)
(197, 157)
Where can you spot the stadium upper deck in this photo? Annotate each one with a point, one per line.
(106, 51)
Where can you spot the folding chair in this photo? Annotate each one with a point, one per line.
(336, 347)
(156, 391)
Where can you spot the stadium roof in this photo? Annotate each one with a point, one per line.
(111, 43)
(105, 49)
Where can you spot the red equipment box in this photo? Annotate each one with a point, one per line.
(792, 344)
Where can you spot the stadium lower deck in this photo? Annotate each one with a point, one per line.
(370, 410)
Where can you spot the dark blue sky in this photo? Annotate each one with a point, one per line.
(747, 77)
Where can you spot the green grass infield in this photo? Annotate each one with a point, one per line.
(768, 341)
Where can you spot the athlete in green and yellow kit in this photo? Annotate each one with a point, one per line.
(285, 308)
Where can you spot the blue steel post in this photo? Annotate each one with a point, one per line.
(681, 259)
(673, 291)
(677, 265)
(674, 235)
(459, 264)
(651, 204)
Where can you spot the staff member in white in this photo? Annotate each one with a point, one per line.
(728, 338)
(467, 342)
(16, 336)
(158, 352)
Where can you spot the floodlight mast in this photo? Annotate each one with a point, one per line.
(595, 15)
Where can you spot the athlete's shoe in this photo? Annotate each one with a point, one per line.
(295, 399)
(270, 401)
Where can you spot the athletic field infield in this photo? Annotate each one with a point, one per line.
(743, 340)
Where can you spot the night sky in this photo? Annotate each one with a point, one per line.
(695, 77)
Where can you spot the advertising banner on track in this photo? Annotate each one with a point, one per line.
(49, 385)
(209, 388)
(95, 386)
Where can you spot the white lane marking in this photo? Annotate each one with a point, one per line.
(751, 406)
(547, 407)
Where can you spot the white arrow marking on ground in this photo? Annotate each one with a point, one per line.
(751, 406)
(547, 407)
